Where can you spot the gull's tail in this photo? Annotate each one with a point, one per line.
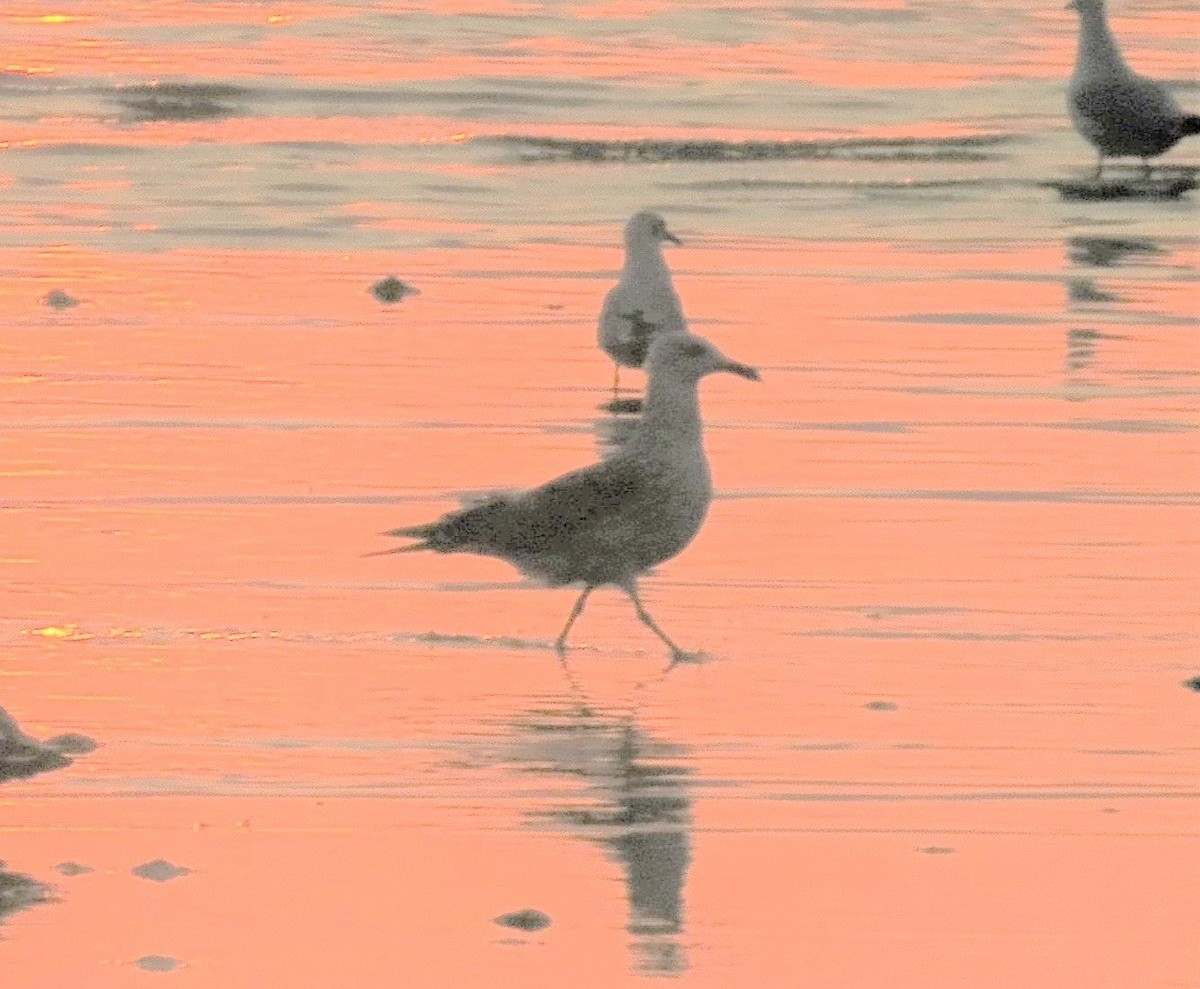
(1191, 125)
(466, 530)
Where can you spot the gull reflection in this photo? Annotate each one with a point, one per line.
(1085, 293)
(614, 430)
(1081, 349)
(1105, 252)
(640, 814)
(1085, 290)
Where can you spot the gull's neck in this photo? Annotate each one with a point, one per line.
(670, 417)
(1097, 54)
(644, 257)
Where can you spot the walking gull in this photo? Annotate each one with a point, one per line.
(1118, 111)
(610, 522)
(643, 303)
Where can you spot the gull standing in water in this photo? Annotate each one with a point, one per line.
(611, 522)
(643, 303)
(1117, 110)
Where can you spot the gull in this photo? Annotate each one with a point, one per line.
(643, 303)
(613, 521)
(1117, 110)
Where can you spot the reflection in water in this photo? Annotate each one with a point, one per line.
(613, 431)
(1081, 349)
(1086, 290)
(643, 819)
(179, 100)
(1104, 252)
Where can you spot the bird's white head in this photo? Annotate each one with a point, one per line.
(691, 357)
(648, 227)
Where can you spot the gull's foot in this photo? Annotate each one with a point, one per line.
(681, 657)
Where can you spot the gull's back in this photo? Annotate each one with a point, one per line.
(600, 525)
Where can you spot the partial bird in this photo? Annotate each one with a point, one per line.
(1120, 112)
(613, 521)
(643, 303)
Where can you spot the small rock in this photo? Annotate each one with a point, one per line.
(524, 920)
(22, 756)
(391, 289)
(72, 743)
(58, 299)
(881, 706)
(1193, 683)
(157, 963)
(72, 869)
(159, 871)
(17, 892)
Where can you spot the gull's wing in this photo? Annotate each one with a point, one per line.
(562, 531)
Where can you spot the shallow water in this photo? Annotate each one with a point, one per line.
(946, 591)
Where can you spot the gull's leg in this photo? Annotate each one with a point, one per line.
(616, 380)
(1099, 165)
(561, 642)
(1147, 168)
(630, 588)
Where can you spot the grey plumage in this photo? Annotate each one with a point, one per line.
(1118, 111)
(611, 522)
(643, 303)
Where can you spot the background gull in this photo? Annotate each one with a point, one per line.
(643, 303)
(1117, 110)
(610, 522)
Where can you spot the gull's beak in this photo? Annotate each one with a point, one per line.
(667, 235)
(741, 370)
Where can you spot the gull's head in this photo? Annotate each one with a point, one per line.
(648, 227)
(691, 358)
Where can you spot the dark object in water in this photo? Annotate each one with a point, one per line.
(977, 147)
(524, 920)
(1193, 683)
(391, 289)
(58, 299)
(1169, 186)
(17, 892)
(622, 406)
(159, 871)
(22, 756)
(157, 963)
(72, 869)
(179, 101)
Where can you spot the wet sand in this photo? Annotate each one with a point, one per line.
(943, 734)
